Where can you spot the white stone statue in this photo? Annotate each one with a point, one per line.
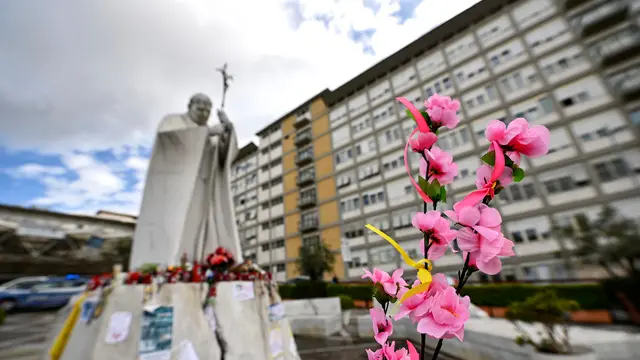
(187, 204)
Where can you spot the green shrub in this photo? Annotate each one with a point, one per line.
(309, 290)
(629, 287)
(549, 309)
(356, 292)
(285, 291)
(588, 296)
(346, 302)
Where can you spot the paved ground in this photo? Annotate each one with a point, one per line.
(24, 337)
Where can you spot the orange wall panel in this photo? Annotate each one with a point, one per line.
(292, 270)
(291, 223)
(331, 237)
(328, 213)
(289, 161)
(292, 246)
(324, 166)
(320, 125)
(317, 108)
(289, 180)
(326, 189)
(290, 202)
(287, 124)
(322, 145)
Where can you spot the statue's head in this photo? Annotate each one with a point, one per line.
(199, 109)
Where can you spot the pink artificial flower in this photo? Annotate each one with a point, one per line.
(441, 166)
(449, 312)
(390, 283)
(484, 251)
(483, 176)
(418, 305)
(437, 230)
(377, 355)
(390, 353)
(442, 110)
(488, 178)
(382, 327)
(518, 138)
(483, 219)
(422, 142)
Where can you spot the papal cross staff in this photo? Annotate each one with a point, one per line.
(225, 82)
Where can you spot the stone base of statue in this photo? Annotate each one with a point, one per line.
(245, 328)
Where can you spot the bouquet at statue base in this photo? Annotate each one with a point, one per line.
(196, 310)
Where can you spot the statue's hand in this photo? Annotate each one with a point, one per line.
(216, 130)
(223, 117)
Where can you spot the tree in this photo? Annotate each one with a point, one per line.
(610, 241)
(315, 260)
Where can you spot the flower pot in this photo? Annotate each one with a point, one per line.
(579, 353)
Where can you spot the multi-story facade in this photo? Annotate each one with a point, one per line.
(334, 164)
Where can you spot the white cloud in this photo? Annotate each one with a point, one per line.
(34, 171)
(85, 76)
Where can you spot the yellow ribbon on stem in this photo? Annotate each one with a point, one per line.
(423, 266)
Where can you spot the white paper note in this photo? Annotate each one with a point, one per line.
(276, 312)
(243, 291)
(187, 351)
(118, 329)
(276, 342)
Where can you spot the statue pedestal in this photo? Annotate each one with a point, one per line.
(244, 326)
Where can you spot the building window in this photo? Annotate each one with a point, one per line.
(559, 185)
(311, 241)
(532, 234)
(517, 192)
(264, 226)
(612, 170)
(280, 268)
(277, 222)
(635, 117)
(265, 247)
(517, 237)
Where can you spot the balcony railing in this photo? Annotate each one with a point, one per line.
(302, 120)
(629, 88)
(309, 225)
(305, 178)
(304, 158)
(604, 17)
(307, 201)
(303, 138)
(623, 49)
(572, 4)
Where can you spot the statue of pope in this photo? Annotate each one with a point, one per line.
(187, 204)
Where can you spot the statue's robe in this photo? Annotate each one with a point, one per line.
(187, 205)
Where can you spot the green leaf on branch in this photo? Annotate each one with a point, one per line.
(509, 163)
(424, 184)
(433, 191)
(489, 158)
(518, 174)
(443, 194)
(424, 114)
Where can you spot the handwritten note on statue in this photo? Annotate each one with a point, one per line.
(276, 312)
(118, 329)
(243, 290)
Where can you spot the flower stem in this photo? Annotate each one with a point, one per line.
(423, 337)
(462, 279)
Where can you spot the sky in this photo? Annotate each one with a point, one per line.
(84, 84)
